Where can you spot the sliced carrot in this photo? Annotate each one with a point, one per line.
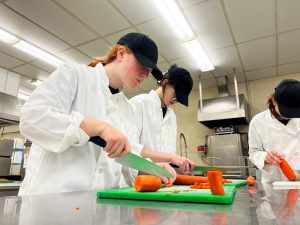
(147, 183)
(215, 182)
(187, 179)
(287, 170)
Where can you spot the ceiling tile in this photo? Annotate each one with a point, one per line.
(209, 23)
(44, 66)
(32, 72)
(137, 11)
(261, 73)
(101, 16)
(289, 68)
(154, 29)
(163, 66)
(186, 3)
(16, 53)
(288, 47)
(28, 31)
(288, 15)
(225, 59)
(189, 64)
(74, 56)
(113, 38)
(259, 53)
(50, 16)
(251, 19)
(8, 61)
(94, 48)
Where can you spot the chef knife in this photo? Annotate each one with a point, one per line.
(202, 168)
(136, 162)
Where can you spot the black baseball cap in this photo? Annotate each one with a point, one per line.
(183, 83)
(287, 96)
(144, 50)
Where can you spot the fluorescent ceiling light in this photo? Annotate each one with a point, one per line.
(198, 53)
(29, 48)
(171, 12)
(7, 37)
(38, 53)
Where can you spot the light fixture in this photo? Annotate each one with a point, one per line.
(36, 82)
(199, 55)
(171, 12)
(7, 37)
(29, 48)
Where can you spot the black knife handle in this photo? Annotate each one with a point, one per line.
(98, 141)
(173, 165)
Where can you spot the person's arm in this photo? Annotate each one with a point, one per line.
(185, 165)
(46, 119)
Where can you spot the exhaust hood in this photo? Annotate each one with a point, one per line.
(9, 110)
(225, 110)
(9, 104)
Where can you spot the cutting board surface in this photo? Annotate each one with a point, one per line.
(176, 193)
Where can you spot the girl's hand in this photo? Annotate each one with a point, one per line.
(274, 158)
(116, 143)
(171, 170)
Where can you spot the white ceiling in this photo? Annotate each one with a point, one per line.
(260, 38)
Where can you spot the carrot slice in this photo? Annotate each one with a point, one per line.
(147, 183)
(187, 179)
(215, 182)
(287, 170)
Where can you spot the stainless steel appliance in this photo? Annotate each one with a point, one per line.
(226, 147)
(229, 151)
(11, 157)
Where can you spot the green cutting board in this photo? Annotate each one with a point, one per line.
(176, 193)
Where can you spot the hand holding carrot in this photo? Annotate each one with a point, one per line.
(273, 158)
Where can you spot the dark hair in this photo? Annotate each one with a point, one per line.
(272, 107)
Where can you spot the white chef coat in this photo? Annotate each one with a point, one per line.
(155, 131)
(267, 133)
(61, 159)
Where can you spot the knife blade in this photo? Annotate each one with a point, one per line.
(136, 162)
(201, 168)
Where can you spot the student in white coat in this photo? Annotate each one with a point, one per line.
(156, 121)
(74, 104)
(275, 133)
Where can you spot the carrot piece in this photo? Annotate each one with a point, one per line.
(147, 183)
(187, 179)
(287, 170)
(168, 185)
(215, 182)
(227, 181)
(251, 180)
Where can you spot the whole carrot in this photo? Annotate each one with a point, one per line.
(287, 170)
(215, 182)
(147, 183)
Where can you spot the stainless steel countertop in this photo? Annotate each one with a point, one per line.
(251, 206)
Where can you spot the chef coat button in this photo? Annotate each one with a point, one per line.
(117, 173)
(100, 170)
